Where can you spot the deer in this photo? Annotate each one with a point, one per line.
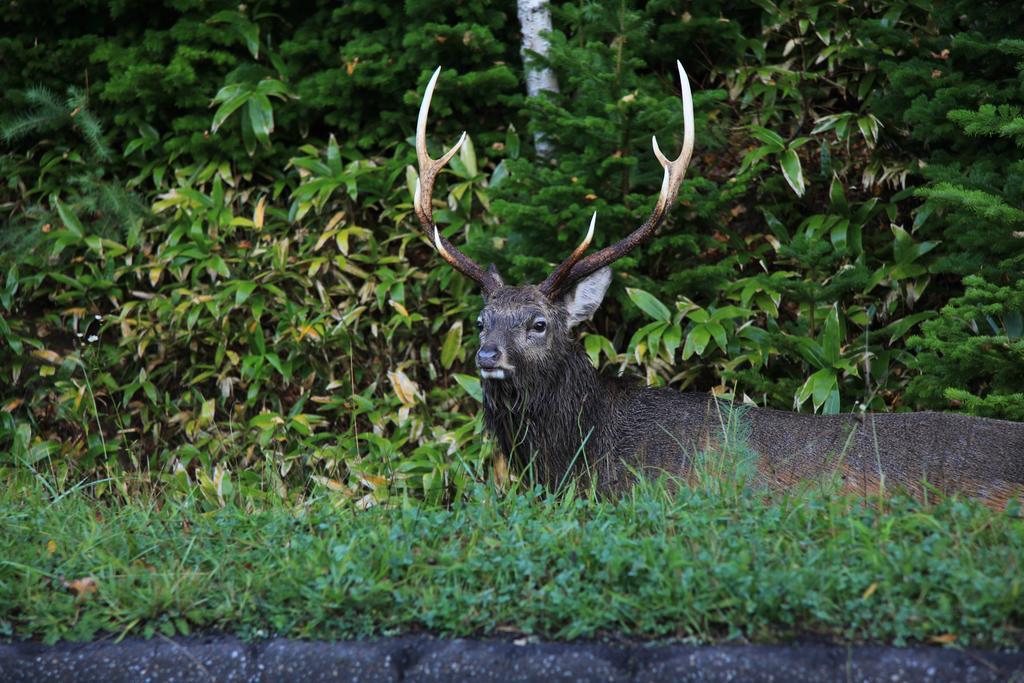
(550, 410)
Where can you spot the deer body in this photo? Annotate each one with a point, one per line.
(551, 411)
(561, 418)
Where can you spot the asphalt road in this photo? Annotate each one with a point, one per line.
(410, 659)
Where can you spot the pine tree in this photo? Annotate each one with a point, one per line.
(972, 355)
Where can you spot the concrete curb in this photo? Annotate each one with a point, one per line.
(416, 659)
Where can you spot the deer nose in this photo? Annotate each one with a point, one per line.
(487, 357)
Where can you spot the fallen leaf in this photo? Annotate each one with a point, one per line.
(12, 404)
(944, 639)
(86, 585)
(870, 590)
(501, 477)
(51, 547)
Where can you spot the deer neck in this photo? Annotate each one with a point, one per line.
(542, 418)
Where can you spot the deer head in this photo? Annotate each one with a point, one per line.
(523, 328)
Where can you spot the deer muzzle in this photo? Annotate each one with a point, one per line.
(489, 361)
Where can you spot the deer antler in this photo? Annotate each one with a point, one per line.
(429, 168)
(576, 267)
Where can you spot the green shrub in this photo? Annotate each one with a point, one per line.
(223, 201)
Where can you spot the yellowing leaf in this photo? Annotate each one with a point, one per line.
(405, 389)
(371, 481)
(332, 484)
(80, 396)
(402, 310)
(308, 331)
(51, 547)
(154, 275)
(258, 214)
(944, 639)
(47, 356)
(870, 590)
(335, 219)
(11, 405)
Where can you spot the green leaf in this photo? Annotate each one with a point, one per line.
(792, 171)
(831, 340)
(649, 304)
(247, 30)
(242, 292)
(228, 108)
(265, 421)
(467, 155)
(727, 312)
(272, 87)
(498, 175)
(471, 385)
(451, 346)
(838, 234)
(696, 341)
(905, 250)
(837, 196)
(869, 129)
(207, 412)
(671, 339)
(70, 220)
(824, 382)
(819, 386)
(699, 315)
(770, 138)
(718, 333)
(595, 344)
(512, 142)
(900, 327)
(261, 116)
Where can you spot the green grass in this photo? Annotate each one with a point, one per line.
(700, 565)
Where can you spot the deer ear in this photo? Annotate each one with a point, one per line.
(582, 302)
(492, 270)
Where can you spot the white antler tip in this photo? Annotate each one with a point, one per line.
(440, 247)
(662, 159)
(437, 72)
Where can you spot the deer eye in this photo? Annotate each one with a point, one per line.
(479, 324)
(540, 326)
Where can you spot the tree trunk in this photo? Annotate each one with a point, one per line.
(535, 18)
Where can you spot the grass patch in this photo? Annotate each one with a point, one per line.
(694, 564)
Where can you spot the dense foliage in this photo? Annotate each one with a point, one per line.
(211, 267)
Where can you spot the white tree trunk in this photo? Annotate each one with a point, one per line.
(535, 18)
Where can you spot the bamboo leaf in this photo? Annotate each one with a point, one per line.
(792, 171)
(649, 304)
(451, 346)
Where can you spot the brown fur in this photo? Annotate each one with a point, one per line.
(555, 412)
